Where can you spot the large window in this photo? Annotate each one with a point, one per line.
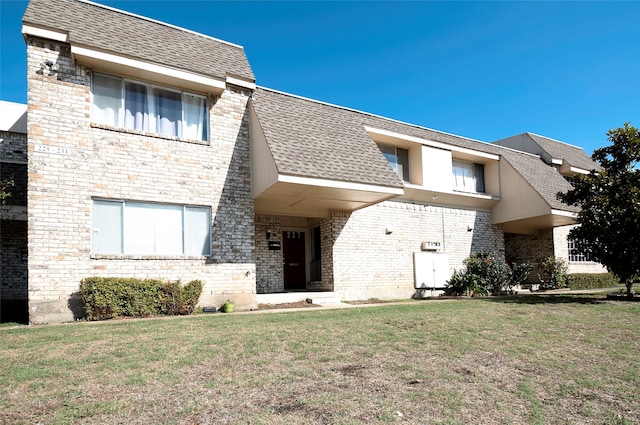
(123, 227)
(133, 105)
(468, 177)
(398, 159)
(575, 255)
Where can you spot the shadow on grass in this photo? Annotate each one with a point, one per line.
(548, 299)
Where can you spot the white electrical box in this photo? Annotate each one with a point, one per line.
(431, 270)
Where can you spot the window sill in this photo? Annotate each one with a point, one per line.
(148, 257)
(466, 192)
(148, 134)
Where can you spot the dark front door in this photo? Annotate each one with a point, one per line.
(293, 251)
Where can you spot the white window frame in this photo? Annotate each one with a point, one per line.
(469, 184)
(573, 255)
(127, 229)
(401, 169)
(153, 114)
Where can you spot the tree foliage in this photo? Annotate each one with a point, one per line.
(609, 198)
(5, 185)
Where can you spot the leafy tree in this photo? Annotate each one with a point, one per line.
(5, 184)
(609, 199)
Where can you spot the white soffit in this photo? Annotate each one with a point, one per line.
(386, 133)
(241, 82)
(108, 60)
(44, 33)
(564, 213)
(339, 184)
(13, 117)
(579, 170)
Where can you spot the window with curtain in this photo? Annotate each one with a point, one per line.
(134, 105)
(123, 227)
(468, 177)
(398, 158)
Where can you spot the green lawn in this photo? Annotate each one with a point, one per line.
(528, 360)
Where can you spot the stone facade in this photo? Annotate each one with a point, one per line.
(269, 270)
(521, 248)
(73, 161)
(13, 228)
(373, 247)
(360, 259)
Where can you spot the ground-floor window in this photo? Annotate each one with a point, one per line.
(574, 254)
(128, 227)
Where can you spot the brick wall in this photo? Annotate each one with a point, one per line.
(370, 262)
(13, 227)
(521, 248)
(13, 260)
(107, 163)
(13, 147)
(269, 268)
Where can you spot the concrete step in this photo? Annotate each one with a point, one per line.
(320, 298)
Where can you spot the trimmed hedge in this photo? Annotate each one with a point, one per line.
(592, 280)
(108, 297)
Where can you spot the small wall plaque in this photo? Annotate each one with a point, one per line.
(274, 246)
(52, 149)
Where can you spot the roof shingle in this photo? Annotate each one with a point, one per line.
(111, 30)
(313, 139)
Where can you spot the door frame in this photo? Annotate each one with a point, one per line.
(306, 233)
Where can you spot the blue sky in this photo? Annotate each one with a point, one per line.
(484, 70)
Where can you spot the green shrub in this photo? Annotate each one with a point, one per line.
(592, 280)
(105, 298)
(552, 272)
(520, 273)
(465, 283)
(487, 273)
(178, 299)
(494, 272)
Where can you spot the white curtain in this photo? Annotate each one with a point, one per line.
(136, 106)
(107, 99)
(195, 111)
(168, 112)
(468, 177)
(463, 176)
(152, 229)
(107, 227)
(147, 108)
(197, 231)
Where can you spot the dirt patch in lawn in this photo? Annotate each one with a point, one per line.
(296, 304)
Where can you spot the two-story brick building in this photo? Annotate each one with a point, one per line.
(152, 153)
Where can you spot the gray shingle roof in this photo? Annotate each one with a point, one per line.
(571, 154)
(92, 25)
(314, 139)
(550, 149)
(544, 179)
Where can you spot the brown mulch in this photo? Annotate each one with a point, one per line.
(297, 304)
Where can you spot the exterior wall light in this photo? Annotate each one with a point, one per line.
(51, 67)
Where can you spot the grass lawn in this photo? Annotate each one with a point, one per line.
(527, 360)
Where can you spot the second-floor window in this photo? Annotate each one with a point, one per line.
(133, 105)
(468, 177)
(398, 159)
